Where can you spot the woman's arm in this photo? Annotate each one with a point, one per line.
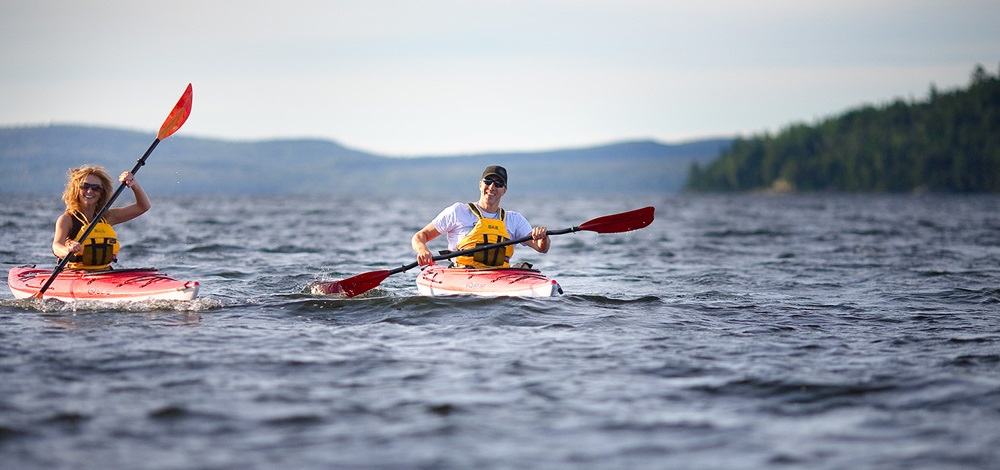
(127, 213)
(62, 245)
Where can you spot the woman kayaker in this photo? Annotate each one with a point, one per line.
(480, 223)
(87, 191)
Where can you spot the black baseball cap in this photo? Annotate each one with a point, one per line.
(496, 170)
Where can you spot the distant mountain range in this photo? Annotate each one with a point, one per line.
(36, 159)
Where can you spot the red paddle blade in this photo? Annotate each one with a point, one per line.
(624, 222)
(177, 116)
(352, 286)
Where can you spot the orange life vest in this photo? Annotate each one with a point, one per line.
(100, 249)
(486, 231)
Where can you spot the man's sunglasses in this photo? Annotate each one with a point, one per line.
(495, 183)
(95, 187)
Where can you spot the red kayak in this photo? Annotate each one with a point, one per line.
(514, 282)
(120, 285)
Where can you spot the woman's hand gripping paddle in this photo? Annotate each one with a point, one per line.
(615, 223)
(174, 121)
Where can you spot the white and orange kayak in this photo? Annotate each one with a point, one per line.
(119, 285)
(513, 282)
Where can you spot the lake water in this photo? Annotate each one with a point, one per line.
(816, 331)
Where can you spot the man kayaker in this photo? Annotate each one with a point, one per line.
(87, 191)
(480, 223)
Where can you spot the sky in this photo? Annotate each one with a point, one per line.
(430, 77)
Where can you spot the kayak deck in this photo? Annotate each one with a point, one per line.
(513, 282)
(124, 285)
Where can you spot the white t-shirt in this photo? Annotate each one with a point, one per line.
(457, 221)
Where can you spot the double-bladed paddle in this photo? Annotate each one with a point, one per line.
(173, 122)
(615, 223)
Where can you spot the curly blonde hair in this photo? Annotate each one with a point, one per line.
(78, 176)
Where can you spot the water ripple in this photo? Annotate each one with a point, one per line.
(815, 331)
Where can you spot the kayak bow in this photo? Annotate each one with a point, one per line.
(123, 285)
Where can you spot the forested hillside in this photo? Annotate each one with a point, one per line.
(948, 142)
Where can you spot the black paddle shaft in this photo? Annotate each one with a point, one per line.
(614, 223)
(455, 254)
(93, 222)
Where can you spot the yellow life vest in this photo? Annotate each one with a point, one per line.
(100, 248)
(486, 231)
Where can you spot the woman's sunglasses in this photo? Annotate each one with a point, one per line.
(495, 183)
(95, 187)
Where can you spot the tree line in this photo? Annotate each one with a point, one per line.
(949, 142)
